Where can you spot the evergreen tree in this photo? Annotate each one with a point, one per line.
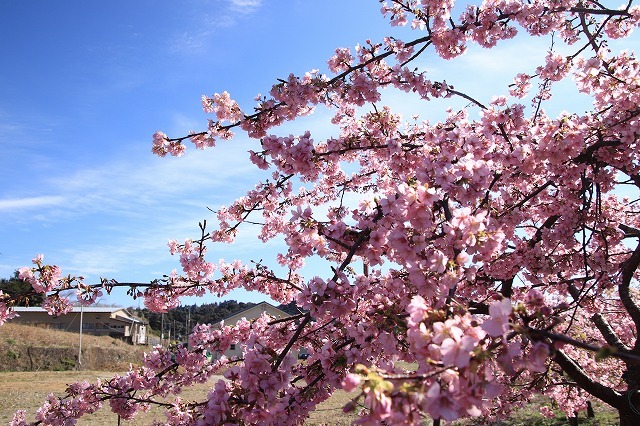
(183, 318)
(20, 291)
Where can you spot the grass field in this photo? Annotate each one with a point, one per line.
(28, 348)
(27, 390)
(30, 334)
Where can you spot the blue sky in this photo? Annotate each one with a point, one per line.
(84, 86)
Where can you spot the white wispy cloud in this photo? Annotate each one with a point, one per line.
(245, 6)
(116, 217)
(30, 202)
(9, 129)
(211, 18)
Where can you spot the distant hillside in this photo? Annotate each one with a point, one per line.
(33, 348)
(178, 320)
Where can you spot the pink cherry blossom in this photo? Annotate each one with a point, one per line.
(6, 312)
(498, 323)
(350, 382)
(492, 248)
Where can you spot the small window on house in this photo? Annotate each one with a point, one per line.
(233, 347)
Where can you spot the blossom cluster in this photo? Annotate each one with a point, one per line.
(469, 263)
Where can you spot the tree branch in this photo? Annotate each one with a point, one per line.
(607, 351)
(610, 396)
(628, 269)
(607, 332)
(294, 338)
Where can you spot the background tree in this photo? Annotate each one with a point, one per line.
(20, 291)
(182, 316)
(501, 253)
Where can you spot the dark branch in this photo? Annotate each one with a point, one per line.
(607, 332)
(611, 397)
(628, 269)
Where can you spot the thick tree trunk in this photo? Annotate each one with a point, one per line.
(629, 406)
(629, 418)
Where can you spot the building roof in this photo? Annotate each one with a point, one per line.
(90, 309)
(127, 317)
(284, 314)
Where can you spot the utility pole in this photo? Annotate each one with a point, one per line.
(80, 345)
(187, 320)
(162, 330)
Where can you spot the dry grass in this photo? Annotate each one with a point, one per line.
(330, 411)
(42, 336)
(28, 390)
(27, 348)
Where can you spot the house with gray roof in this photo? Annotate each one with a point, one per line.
(101, 321)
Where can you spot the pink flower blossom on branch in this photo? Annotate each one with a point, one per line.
(491, 251)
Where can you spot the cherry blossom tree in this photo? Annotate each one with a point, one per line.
(471, 261)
